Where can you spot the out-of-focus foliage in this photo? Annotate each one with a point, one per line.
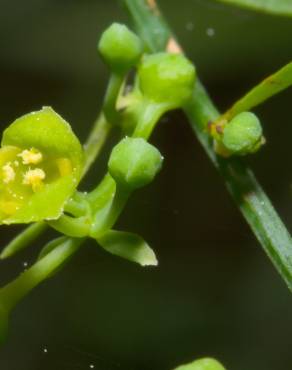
(279, 7)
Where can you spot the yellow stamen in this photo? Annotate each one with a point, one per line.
(64, 166)
(31, 156)
(8, 173)
(34, 178)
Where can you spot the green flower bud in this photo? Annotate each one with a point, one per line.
(169, 78)
(120, 48)
(202, 364)
(134, 163)
(40, 165)
(243, 134)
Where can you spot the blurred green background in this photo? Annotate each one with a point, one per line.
(214, 293)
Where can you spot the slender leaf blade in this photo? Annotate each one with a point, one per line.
(239, 179)
(276, 7)
(272, 85)
(147, 26)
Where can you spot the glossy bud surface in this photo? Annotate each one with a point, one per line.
(243, 134)
(166, 77)
(134, 163)
(120, 48)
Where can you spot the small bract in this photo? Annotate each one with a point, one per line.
(120, 48)
(167, 78)
(243, 134)
(40, 166)
(134, 163)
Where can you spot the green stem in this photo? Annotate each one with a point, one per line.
(13, 292)
(247, 193)
(95, 141)
(98, 199)
(149, 115)
(111, 97)
(102, 193)
(240, 181)
(105, 219)
(77, 205)
(51, 245)
(71, 226)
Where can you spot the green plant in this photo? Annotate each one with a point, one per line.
(164, 81)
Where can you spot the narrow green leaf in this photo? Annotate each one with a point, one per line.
(277, 7)
(202, 364)
(240, 181)
(129, 246)
(270, 86)
(147, 26)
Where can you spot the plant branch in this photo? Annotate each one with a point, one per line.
(239, 179)
(95, 141)
(13, 292)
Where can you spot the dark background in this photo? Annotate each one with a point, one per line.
(215, 293)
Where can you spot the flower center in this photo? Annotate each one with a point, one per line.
(34, 178)
(24, 172)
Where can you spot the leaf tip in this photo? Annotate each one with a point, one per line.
(150, 259)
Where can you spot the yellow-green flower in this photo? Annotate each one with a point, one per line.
(40, 166)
